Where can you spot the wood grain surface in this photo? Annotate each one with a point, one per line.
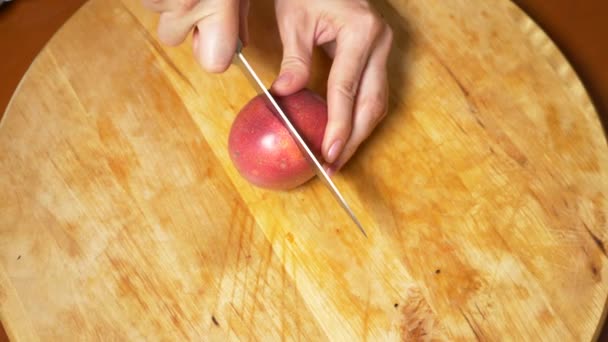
(484, 193)
(25, 27)
(579, 29)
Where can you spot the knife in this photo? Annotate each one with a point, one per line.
(312, 159)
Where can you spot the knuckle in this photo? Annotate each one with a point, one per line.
(152, 4)
(164, 36)
(187, 5)
(390, 34)
(167, 32)
(290, 61)
(369, 22)
(376, 107)
(288, 19)
(346, 88)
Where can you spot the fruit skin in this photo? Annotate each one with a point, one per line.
(263, 151)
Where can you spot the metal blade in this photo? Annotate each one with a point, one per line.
(299, 141)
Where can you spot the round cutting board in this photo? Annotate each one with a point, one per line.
(483, 192)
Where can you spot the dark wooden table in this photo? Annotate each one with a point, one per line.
(578, 28)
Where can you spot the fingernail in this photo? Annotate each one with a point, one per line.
(334, 150)
(329, 170)
(284, 79)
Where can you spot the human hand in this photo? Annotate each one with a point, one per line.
(217, 25)
(359, 42)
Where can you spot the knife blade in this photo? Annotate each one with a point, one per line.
(308, 154)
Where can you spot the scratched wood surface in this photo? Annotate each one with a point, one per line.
(483, 193)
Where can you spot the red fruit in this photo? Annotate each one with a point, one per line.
(261, 147)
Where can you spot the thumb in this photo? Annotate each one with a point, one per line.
(297, 57)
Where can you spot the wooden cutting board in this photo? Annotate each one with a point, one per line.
(484, 193)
